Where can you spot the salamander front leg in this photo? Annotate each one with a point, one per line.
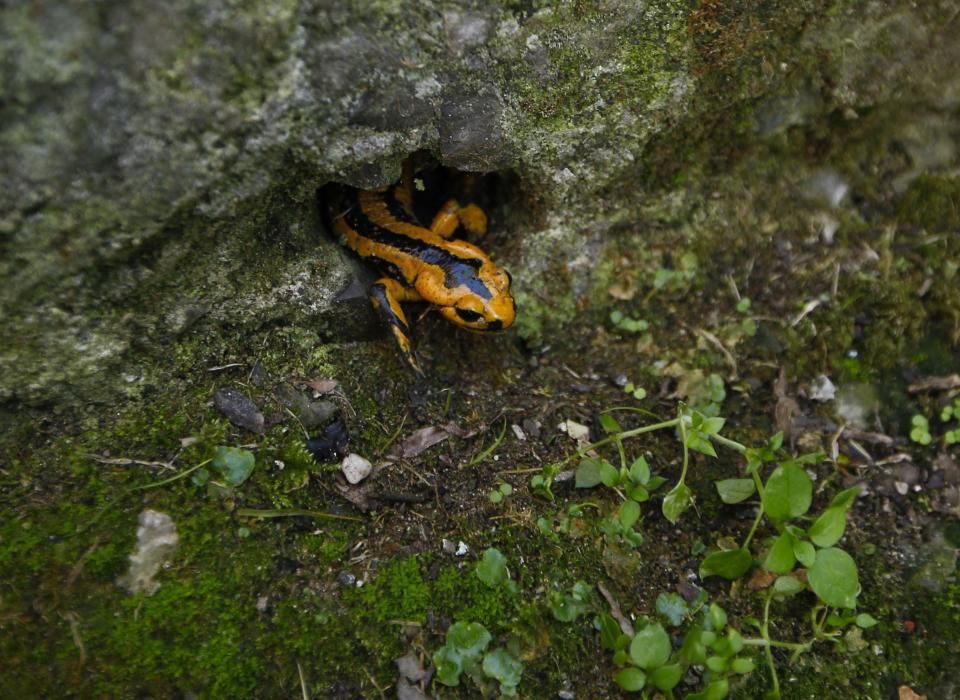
(451, 215)
(386, 295)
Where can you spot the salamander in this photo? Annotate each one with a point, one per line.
(424, 264)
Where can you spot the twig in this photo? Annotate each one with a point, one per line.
(292, 513)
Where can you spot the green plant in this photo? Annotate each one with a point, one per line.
(648, 659)
(464, 652)
(802, 556)
(502, 491)
(567, 607)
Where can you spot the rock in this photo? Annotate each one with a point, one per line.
(239, 409)
(355, 468)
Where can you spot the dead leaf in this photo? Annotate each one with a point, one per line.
(625, 287)
(625, 625)
(425, 438)
(905, 692)
(411, 668)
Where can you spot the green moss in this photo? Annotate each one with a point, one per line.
(933, 202)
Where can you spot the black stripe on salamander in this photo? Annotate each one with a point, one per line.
(396, 208)
(457, 271)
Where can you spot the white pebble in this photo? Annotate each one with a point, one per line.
(355, 468)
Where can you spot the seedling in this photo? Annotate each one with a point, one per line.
(463, 652)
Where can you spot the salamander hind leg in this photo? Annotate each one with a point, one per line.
(386, 295)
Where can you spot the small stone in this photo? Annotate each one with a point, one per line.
(566, 695)
(355, 468)
(239, 409)
(263, 603)
(532, 427)
(345, 578)
(822, 389)
(518, 432)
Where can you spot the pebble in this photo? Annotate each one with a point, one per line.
(355, 468)
(239, 409)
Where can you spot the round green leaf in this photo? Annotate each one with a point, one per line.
(735, 490)
(742, 665)
(866, 620)
(833, 577)
(449, 665)
(588, 473)
(650, 647)
(631, 679)
(629, 513)
(788, 493)
(667, 677)
(503, 666)
(730, 564)
(234, 464)
(492, 569)
(468, 638)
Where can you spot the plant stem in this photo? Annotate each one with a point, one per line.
(175, 477)
(626, 434)
(727, 442)
(765, 631)
(292, 513)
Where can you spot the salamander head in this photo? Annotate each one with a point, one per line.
(492, 310)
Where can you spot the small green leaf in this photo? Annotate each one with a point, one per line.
(201, 476)
(729, 564)
(640, 471)
(449, 665)
(717, 617)
(609, 630)
(735, 490)
(609, 474)
(629, 513)
(700, 443)
(503, 666)
(788, 493)
(667, 677)
(834, 579)
(588, 473)
(609, 424)
(676, 502)
(845, 498)
(786, 586)
(650, 647)
(804, 552)
(630, 679)
(495, 496)
(717, 690)
(638, 493)
(717, 664)
(655, 483)
(712, 426)
(780, 559)
(827, 530)
(673, 608)
(866, 620)
(492, 568)
(742, 665)
(506, 489)
(234, 464)
(468, 638)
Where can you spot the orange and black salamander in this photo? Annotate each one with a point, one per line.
(424, 264)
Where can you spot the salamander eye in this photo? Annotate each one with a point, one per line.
(468, 315)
